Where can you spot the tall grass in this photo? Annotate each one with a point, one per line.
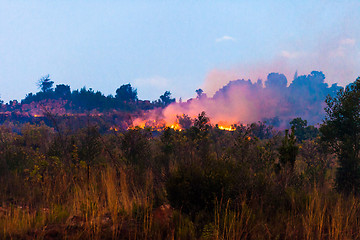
(107, 204)
(233, 224)
(111, 204)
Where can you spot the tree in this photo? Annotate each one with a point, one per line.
(200, 93)
(302, 130)
(166, 99)
(126, 93)
(202, 122)
(288, 149)
(341, 131)
(45, 84)
(184, 121)
(90, 146)
(62, 91)
(299, 127)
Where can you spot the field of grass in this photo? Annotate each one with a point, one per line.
(193, 184)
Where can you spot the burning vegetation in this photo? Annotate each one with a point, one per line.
(274, 101)
(182, 122)
(174, 172)
(244, 102)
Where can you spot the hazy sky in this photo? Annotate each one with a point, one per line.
(173, 45)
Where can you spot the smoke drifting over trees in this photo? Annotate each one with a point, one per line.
(274, 100)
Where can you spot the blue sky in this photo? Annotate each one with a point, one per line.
(173, 45)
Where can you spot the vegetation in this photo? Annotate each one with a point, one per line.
(341, 131)
(199, 183)
(125, 99)
(92, 182)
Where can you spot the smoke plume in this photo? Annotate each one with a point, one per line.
(242, 101)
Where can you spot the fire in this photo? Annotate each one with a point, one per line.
(227, 128)
(160, 125)
(222, 125)
(154, 125)
(114, 129)
(176, 126)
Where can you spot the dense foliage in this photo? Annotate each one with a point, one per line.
(80, 178)
(125, 99)
(341, 130)
(194, 183)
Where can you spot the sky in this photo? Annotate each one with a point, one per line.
(178, 46)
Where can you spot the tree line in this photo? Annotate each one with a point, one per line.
(126, 97)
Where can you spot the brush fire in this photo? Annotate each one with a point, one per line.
(182, 122)
(243, 102)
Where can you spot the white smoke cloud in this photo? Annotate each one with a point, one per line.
(225, 38)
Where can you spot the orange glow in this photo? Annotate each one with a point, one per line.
(176, 126)
(161, 124)
(227, 128)
(114, 129)
(223, 125)
(154, 125)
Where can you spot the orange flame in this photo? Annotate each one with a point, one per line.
(222, 125)
(160, 125)
(227, 128)
(114, 129)
(176, 127)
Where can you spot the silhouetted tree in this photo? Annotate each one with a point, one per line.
(341, 130)
(89, 99)
(45, 83)
(202, 122)
(200, 93)
(302, 131)
(62, 91)
(166, 99)
(126, 93)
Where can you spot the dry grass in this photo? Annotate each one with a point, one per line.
(233, 224)
(108, 203)
(111, 205)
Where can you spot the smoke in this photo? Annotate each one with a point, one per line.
(338, 56)
(287, 95)
(275, 101)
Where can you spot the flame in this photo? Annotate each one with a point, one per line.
(223, 125)
(176, 126)
(161, 124)
(227, 128)
(114, 129)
